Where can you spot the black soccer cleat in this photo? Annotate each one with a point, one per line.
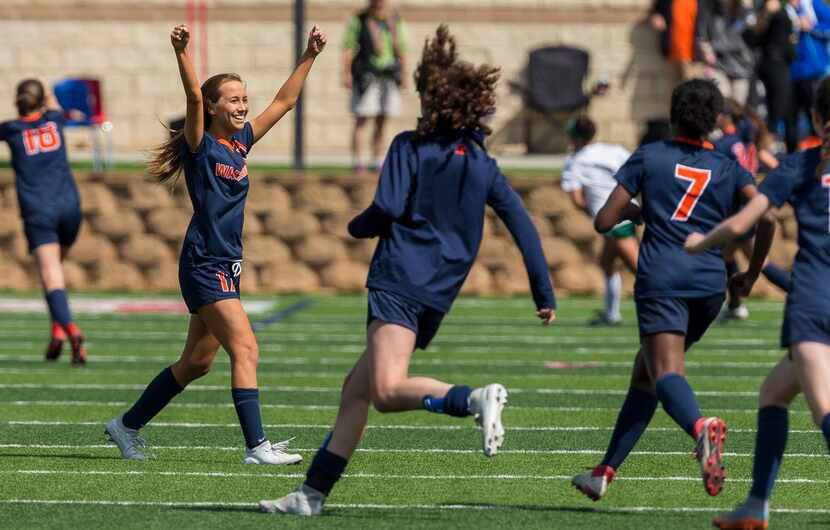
(78, 350)
(54, 349)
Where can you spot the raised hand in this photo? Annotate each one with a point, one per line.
(179, 37)
(316, 41)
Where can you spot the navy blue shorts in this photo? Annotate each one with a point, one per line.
(395, 309)
(205, 284)
(688, 316)
(63, 230)
(804, 325)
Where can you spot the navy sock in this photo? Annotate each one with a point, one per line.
(455, 403)
(246, 403)
(770, 442)
(825, 428)
(156, 396)
(59, 307)
(634, 417)
(325, 470)
(777, 276)
(679, 401)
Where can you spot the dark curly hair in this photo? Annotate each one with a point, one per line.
(454, 94)
(581, 129)
(695, 106)
(29, 96)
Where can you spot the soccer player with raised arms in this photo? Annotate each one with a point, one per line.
(49, 204)
(211, 150)
(428, 215)
(803, 181)
(685, 187)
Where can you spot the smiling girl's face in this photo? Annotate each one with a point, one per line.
(231, 109)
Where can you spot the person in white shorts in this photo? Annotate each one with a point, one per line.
(374, 69)
(588, 177)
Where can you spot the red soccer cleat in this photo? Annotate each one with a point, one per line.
(78, 350)
(711, 435)
(53, 350)
(594, 483)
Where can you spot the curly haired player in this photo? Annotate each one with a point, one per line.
(428, 214)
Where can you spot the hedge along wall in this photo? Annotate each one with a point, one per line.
(295, 238)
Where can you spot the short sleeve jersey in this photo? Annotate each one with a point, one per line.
(217, 182)
(592, 170)
(44, 182)
(685, 187)
(795, 182)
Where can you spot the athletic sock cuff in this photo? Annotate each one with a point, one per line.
(457, 401)
(325, 470)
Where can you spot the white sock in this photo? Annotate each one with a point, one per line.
(613, 293)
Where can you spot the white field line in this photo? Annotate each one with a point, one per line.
(552, 339)
(548, 374)
(349, 361)
(404, 451)
(368, 506)
(199, 425)
(71, 403)
(337, 389)
(269, 475)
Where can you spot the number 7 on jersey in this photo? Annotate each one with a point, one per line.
(698, 179)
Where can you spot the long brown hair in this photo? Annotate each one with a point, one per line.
(30, 96)
(167, 159)
(822, 108)
(454, 94)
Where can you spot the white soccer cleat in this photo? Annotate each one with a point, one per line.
(127, 440)
(594, 483)
(487, 404)
(708, 451)
(304, 501)
(273, 454)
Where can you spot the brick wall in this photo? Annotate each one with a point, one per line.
(126, 45)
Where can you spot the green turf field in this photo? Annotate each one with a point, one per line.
(415, 470)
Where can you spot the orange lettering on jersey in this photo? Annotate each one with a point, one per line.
(698, 180)
(231, 173)
(461, 149)
(42, 139)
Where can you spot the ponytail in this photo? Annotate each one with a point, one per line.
(167, 161)
(30, 96)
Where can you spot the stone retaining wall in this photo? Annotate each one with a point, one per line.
(295, 238)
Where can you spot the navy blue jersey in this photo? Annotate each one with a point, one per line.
(744, 152)
(429, 213)
(686, 187)
(795, 181)
(217, 182)
(45, 186)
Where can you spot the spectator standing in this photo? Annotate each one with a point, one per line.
(675, 20)
(772, 33)
(811, 19)
(720, 43)
(374, 69)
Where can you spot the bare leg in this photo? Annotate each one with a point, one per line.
(812, 363)
(377, 138)
(198, 355)
(359, 143)
(354, 410)
(226, 320)
(392, 390)
(629, 250)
